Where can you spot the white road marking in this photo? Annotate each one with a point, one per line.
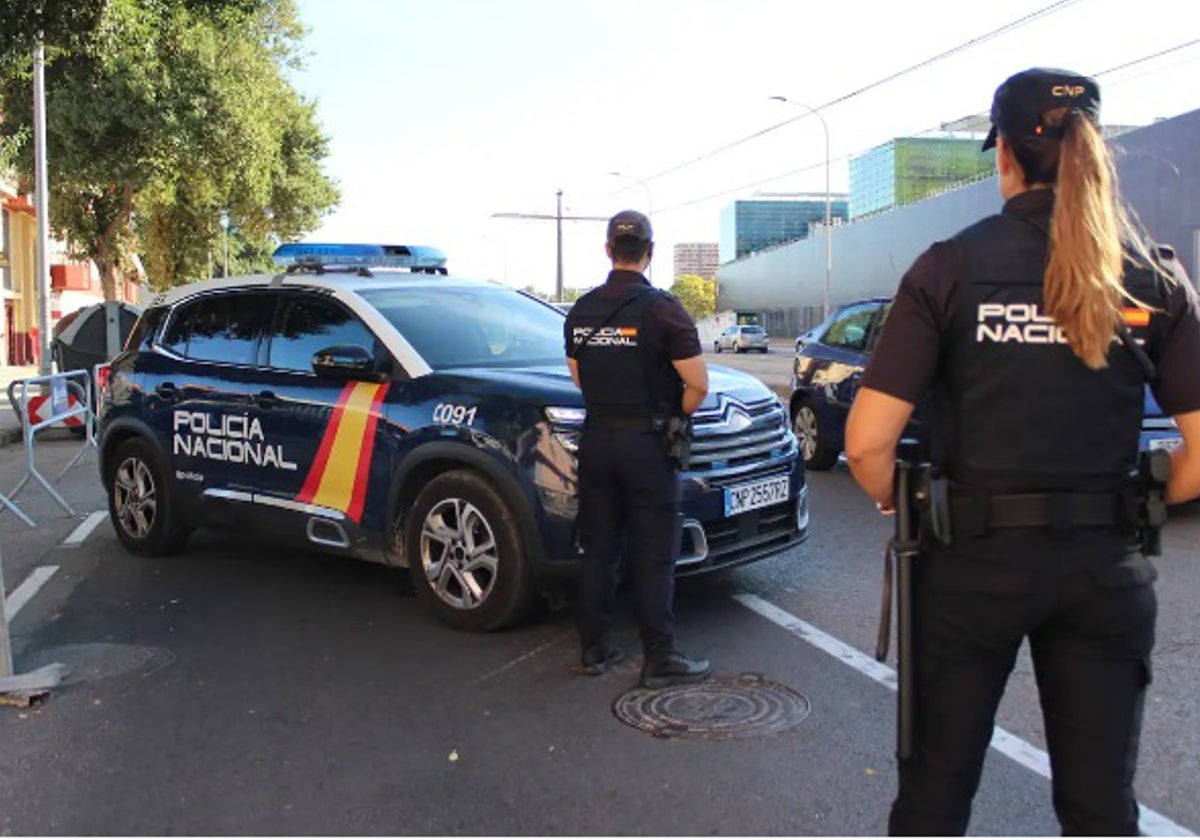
(84, 529)
(1149, 823)
(28, 588)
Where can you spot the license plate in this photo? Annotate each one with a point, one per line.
(756, 494)
(1168, 443)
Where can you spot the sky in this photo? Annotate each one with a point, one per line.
(441, 115)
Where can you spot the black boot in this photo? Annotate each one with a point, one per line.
(672, 668)
(597, 659)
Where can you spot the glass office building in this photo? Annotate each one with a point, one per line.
(755, 225)
(908, 169)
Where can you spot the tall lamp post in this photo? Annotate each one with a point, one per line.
(649, 207)
(828, 201)
(225, 243)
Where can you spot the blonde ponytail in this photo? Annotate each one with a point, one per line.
(1083, 291)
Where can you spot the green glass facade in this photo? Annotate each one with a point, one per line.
(750, 226)
(908, 169)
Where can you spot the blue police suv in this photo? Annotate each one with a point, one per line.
(362, 402)
(828, 367)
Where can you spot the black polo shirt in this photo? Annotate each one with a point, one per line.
(666, 326)
(905, 359)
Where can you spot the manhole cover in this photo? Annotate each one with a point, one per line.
(722, 708)
(99, 661)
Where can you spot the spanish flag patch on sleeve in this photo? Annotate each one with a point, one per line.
(1135, 317)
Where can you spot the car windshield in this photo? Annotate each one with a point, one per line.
(488, 326)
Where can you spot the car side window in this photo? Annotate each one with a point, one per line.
(877, 327)
(850, 329)
(220, 328)
(309, 324)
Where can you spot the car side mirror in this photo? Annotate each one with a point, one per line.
(345, 361)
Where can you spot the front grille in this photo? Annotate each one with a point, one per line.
(748, 536)
(733, 439)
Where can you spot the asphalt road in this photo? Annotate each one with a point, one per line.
(246, 688)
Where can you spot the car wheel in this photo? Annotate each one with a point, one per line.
(465, 553)
(763, 349)
(818, 455)
(737, 348)
(140, 504)
(716, 347)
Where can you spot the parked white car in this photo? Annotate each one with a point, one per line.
(742, 338)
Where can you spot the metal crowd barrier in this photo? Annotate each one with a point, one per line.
(70, 397)
(23, 687)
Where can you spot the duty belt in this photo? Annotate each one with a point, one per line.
(975, 512)
(625, 422)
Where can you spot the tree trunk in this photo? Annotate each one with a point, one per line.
(109, 275)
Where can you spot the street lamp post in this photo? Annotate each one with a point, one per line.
(41, 188)
(649, 207)
(225, 243)
(828, 200)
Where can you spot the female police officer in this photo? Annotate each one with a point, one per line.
(1011, 329)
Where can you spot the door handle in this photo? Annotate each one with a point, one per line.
(167, 392)
(266, 399)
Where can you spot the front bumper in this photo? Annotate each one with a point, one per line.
(720, 542)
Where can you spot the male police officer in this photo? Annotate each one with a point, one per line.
(634, 352)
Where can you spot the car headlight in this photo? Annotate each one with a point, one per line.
(566, 424)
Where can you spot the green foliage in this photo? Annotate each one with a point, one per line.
(63, 24)
(165, 116)
(697, 294)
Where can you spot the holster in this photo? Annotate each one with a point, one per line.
(679, 441)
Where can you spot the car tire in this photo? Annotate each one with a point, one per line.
(465, 552)
(814, 447)
(140, 504)
(737, 348)
(716, 347)
(763, 349)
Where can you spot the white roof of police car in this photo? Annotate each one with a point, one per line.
(333, 280)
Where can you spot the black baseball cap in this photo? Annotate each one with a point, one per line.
(630, 223)
(1023, 99)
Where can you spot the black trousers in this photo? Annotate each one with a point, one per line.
(628, 506)
(1088, 608)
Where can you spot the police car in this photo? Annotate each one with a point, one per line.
(365, 403)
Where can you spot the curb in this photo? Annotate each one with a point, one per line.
(10, 436)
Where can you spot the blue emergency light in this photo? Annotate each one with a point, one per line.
(324, 255)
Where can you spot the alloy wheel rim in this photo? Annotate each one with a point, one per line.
(459, 554)
(805, 427)
(134, 497)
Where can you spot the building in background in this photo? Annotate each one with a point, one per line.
(752, 225)
(1158, 167)
(699, 258)
(907, 169)
(73, 285)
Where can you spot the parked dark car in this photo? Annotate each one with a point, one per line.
(827, 372)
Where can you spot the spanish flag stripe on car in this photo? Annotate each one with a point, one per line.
(337, 478)
(1135, 317)
(364, 461)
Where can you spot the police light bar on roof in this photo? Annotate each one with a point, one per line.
(321, 255)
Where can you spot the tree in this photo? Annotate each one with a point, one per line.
(164, 116)
(697, 294)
